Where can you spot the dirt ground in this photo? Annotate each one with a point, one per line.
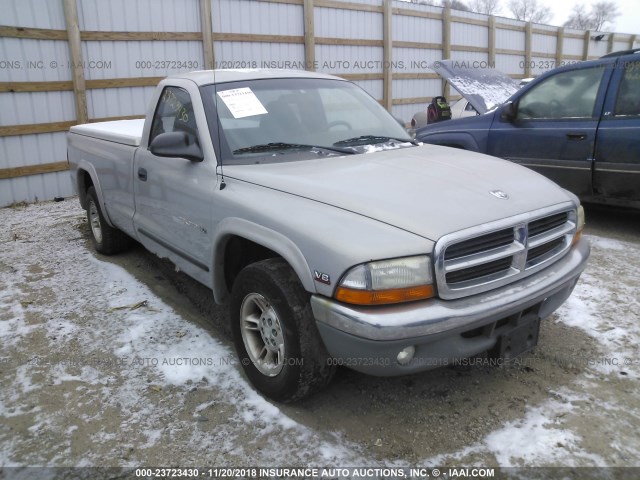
(89, 377)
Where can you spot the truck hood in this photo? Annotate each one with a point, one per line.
(427, 190)
(485, 88)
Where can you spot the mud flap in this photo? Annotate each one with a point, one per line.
(518, 340)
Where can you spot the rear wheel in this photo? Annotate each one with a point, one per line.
(106, 239)
(275, 333)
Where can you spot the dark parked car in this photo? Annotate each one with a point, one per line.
(579, 125)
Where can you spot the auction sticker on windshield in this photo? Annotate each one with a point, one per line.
(242, 102)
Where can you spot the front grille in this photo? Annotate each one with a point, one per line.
(543, 249)
(545, 224)
(480, 244)
(482, 270)
(471, 262)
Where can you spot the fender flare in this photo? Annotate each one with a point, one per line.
(84, 165)
(282, 245)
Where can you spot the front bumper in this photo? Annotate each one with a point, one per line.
(368, 339)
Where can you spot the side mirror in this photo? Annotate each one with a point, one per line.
(176, 144)
(509, 112)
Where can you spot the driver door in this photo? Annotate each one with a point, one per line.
(555, 126)
(173, 195)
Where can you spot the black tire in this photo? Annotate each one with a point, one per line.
(306, 366)
(106, 239)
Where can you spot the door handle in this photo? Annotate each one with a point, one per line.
(142, 174)
(576, 136)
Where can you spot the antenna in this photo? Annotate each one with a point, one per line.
(215, 102)
(222, 182)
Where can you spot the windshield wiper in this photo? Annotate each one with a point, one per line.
(265, 147)
(370, 139)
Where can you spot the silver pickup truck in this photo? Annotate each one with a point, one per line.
(334, 236)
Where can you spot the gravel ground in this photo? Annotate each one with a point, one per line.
(121, 361)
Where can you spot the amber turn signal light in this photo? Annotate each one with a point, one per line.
(384, 297)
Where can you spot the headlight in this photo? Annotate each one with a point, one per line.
(388, 281)
(580, 225)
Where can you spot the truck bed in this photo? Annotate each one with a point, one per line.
(126, 132)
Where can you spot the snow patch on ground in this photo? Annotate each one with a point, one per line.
(129, 350)
(540, 438)
(615, 324)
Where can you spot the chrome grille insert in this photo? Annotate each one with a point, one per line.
(492, 255)
(479, 244)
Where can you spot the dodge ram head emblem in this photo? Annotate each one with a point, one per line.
(499, 194)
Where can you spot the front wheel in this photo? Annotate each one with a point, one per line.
(275, 333)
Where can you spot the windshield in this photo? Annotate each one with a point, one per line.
(297, 118)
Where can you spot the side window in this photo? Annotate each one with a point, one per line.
(569, 94)
(628, 99)
(174, 113)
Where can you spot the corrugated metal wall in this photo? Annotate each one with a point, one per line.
(247, 33)
(25, 59)
(258, 18)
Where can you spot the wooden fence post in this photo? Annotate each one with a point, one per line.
(309, 36)
(492, 42)
(446, 45)
(207, 34)
(559, 46)
(75, 52)
(387, 55)
(612, 38)
(528, 43)
(585, 47)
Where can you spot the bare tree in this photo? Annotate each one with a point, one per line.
(579, 18)
(454, 5)
(488, 7)
(603, 13)
(600, 14)
(530, 11)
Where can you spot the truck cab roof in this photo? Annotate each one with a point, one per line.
(208, 77)
(621, 53)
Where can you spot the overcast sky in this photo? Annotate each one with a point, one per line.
(627, 22)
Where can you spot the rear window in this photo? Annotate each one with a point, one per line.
(628, 99)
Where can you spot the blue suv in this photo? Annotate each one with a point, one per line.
(578, 125)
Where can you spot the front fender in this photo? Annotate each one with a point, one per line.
(233, 226)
